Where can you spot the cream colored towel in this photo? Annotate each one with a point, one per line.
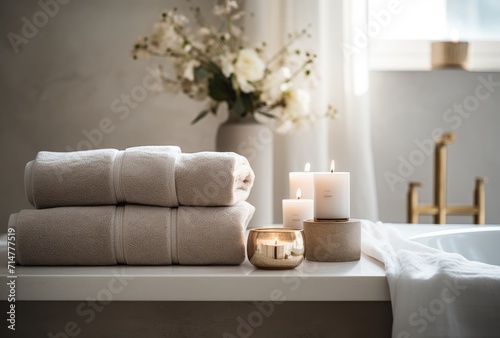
(158, 176)
(132, 234)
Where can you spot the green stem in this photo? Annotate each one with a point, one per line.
(299, 70)
(204, 23)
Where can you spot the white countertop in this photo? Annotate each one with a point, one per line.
(362, 280)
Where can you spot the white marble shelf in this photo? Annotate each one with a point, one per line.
(362, 280)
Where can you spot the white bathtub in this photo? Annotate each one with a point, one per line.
(480, 244)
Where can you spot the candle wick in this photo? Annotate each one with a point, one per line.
(331, 170)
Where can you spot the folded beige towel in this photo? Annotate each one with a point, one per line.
(158, 176)
(132, 234)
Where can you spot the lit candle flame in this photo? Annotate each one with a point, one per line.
(454, 35)
(299, 193)
(307, 167)
(276, 241)
(332, 166)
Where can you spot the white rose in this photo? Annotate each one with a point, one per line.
(297, 102)
(248, 67)
(246, 87)
(274, 85)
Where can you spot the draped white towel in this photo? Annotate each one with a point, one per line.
(434, 293)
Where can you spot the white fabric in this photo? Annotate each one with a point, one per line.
(434, 293)
(343, 81)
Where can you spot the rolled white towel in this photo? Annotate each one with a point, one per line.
(158, 176)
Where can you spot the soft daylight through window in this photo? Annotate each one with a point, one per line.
(476, 20)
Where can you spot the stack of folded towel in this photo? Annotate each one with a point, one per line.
(141, 206)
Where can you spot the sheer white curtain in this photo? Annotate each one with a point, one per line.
(343, 82)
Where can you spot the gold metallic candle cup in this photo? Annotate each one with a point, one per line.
(276, 248)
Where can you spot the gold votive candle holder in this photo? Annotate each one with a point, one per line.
(276, 248)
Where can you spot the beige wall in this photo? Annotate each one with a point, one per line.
(407, 107)
(65, 79)
(62, 83)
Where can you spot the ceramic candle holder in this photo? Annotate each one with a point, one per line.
(276, 248)
(332, 240)
(449, 54)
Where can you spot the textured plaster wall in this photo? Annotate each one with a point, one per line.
(63, 82)
(72, 77)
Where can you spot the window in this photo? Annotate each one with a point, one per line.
(403, 38)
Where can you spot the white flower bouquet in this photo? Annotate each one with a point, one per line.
(214, 64)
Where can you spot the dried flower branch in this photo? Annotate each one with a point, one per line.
(213, 64)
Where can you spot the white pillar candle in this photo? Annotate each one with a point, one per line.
(295, 211)
(332, 194)
(302, 180)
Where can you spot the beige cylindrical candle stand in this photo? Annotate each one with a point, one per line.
(449, 54)
(332, 240)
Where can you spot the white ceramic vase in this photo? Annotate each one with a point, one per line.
(253, 140)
